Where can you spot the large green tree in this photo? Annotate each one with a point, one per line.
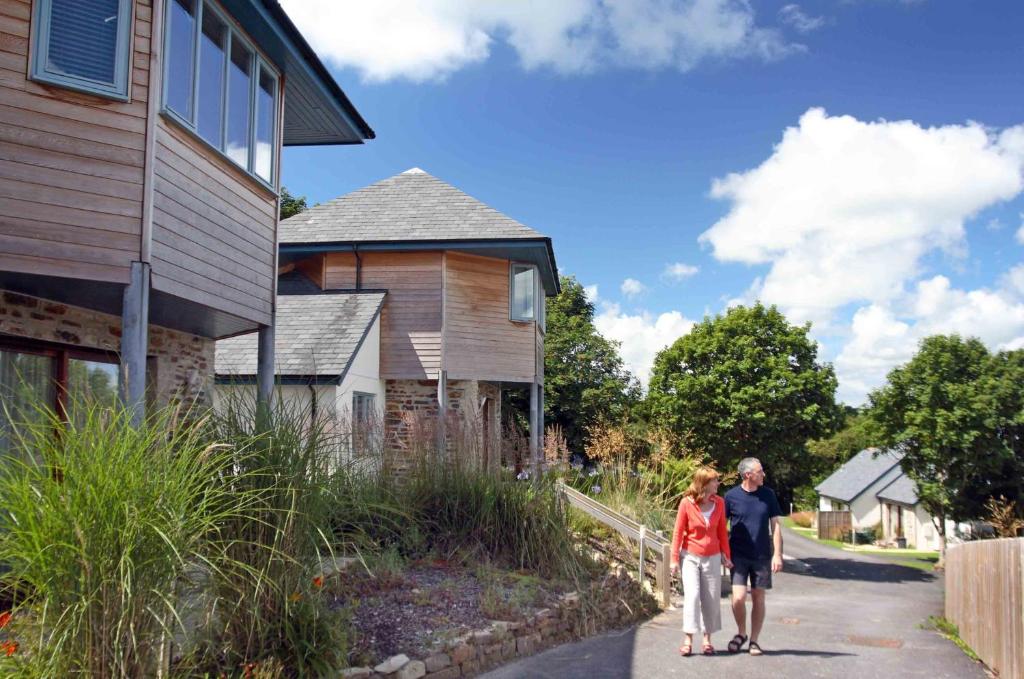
(585, 381)
(955, 411)
(747, 383)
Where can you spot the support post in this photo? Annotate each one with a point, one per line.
(134, 340)
(265, 365)
(665, 575)
(442, 413)
(536, 422)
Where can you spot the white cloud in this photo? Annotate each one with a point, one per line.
(632, 288)
(795, 17)
(431, 39)
(886, 335)
(590, 291)
(678, 271)
(844, 210)
(642, 335)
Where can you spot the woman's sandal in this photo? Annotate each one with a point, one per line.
(686, 650)
(707, 649)
(755, 649)
(736, 644)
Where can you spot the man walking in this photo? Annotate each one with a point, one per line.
(751, 508)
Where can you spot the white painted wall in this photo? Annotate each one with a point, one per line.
(363, 374)
(865, 509)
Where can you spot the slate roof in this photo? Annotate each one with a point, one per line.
(854, 477)
(411, 206)
(296, 283)
(315, 335)
(902, 490)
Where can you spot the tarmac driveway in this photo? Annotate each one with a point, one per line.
(831, 614)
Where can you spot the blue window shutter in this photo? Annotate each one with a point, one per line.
(84, 44)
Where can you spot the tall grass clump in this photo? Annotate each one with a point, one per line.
(266, 586)
(100, 525)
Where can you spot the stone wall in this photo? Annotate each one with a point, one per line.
(411, 419)
(180, 366)
(616, 601)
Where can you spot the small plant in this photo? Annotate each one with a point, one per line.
(1005, 517)
(951, 632)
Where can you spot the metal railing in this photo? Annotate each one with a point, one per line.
(627, 527)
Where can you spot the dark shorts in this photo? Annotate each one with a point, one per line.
(756, 572)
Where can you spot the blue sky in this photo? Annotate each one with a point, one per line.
(859, 163)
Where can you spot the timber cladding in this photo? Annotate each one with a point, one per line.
(985, 600)
(213, 229)
(71, 164)
(480, 342)
(410, 325)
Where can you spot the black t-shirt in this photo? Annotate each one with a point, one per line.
(749, 515)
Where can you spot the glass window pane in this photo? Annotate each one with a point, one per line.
(239, 74)
(26, 385)
(265, 95)
(180, 53)
(212, 53)
(90, 384)
(522, 293)
(83, 39)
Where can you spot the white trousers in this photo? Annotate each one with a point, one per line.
(702, 592)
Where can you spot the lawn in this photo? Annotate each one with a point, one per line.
(922, 560)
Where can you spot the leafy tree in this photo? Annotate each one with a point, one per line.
(291, 205)
(747, 383)
(956, 412)
(585, 382)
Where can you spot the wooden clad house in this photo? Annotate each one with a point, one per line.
(462, 314)
(140, 150)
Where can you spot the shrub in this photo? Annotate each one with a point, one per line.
(99, 530)
(803, 519)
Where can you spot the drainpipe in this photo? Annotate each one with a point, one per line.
(359, 267)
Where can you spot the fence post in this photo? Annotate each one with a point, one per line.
(643, 539)
(666, 575)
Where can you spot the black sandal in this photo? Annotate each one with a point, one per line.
(755, 649)
(736, 644)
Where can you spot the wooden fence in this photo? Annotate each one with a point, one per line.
(833, 525)
(646, 539)
(985, 599)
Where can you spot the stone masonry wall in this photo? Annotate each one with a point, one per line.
(181, 365)
(411, 418)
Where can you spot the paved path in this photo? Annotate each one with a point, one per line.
(831, 614)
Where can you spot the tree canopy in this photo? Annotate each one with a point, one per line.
(291, 205)
(957, 413)
(585, 381)
(747, 383)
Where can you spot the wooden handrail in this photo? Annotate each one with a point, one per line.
(627, 527)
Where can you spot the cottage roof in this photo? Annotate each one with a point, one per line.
(415, 210)
(854, 477)
(315, 336)
(902, 490)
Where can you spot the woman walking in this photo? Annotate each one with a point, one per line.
(701, 543)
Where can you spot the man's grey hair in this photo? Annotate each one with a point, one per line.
(747, 465)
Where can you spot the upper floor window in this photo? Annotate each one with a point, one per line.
(217, 86)
(83, 45)
(523, 293)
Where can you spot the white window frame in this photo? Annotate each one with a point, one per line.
(257, 64)
(368, 396)
(42, 10)
(512, 270)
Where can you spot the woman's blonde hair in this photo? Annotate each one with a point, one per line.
(699, 486)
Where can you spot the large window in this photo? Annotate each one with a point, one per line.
(65, 380)
(218, 87)
(83, 45)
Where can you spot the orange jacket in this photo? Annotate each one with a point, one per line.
(694, 534)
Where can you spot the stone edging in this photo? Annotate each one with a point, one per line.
(475, 652)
